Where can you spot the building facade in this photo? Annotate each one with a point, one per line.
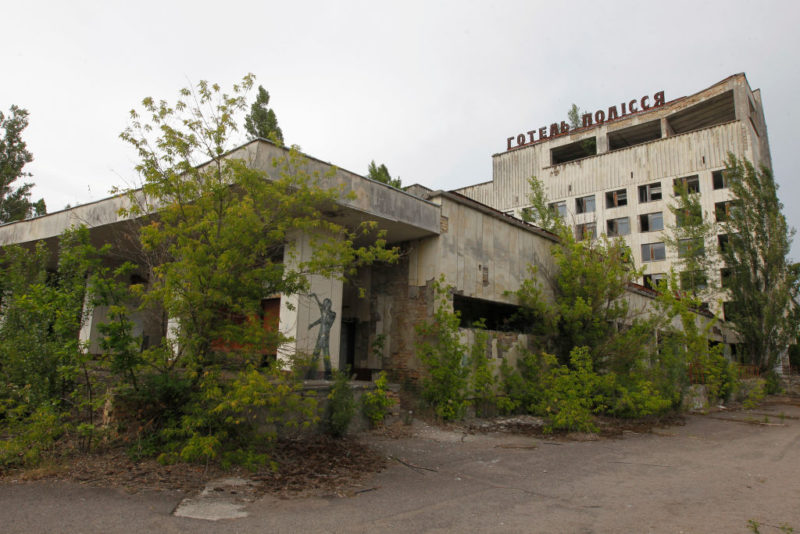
(616, 174)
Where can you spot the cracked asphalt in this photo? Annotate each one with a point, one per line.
(713, 474)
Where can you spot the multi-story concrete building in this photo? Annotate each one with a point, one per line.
(616, 173)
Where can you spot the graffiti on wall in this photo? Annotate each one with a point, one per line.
(323, 346)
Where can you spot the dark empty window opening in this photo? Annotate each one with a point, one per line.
(722, 241)
(651, 281)
(573, 151)
(634, 135)
(617, 227)
(718, 177)
(717, 110)
(722, 210)
(651, 222)
(584, 204)
(691, 183)
(497, 315)
(693, 280)
(617, 198)
(725, 277)
(650, 192)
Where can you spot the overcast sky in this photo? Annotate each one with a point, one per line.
(431, 89)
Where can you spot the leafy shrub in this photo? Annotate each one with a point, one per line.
(755, 394)
(441, 351)
(375, 404)
(482, 380)
(341, 405)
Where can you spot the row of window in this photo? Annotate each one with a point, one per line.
(688, 279)
(686, 248)
(648, 222)
(647, 193)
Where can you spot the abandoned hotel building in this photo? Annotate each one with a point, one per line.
(619, 183)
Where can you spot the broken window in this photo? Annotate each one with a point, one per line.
(722, 240)
(689, 217)
(692, 183)
(651, 281)
(614, 199)
(653, 252)
(634, 135)
(496, 315)
(573, 151)
(617, 227)
(717, 110)
(722, 210)
(690, 248)
(585, 231)
(719, 180)
(725, 277)
(584, 204)
(650, 192)
(651, 222)
(559, 208)
(693, 280)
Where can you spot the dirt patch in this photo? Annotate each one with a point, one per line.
(318, 465)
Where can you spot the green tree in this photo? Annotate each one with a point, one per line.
(763, 286)
(15, 204)
(540, 212)
(381, 174)
(688, 238)
(216, 247)
(574, 117)
(262, 122)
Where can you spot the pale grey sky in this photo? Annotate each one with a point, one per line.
(431, 89)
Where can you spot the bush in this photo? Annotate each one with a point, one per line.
(441, 351)
(375, 404)
(341, 405)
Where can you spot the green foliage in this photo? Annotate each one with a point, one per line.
(540, 213)
(688, 238)
(381, 174)
(755, 393)
(441, 351)
(262, 122)
(15, 204)
(31, 435)
(375, 404)
(341, 405)
(482, 378)
(762, 284)
(224, 229)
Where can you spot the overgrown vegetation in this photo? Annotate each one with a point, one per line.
(375, 404)
(215, 237)
(591, 348)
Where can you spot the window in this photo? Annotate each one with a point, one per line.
(722, 240)
(689, 216)
(651, 222)
(653, 252)
(585, 231)
(693, 280)
(584, 204)
(496, 315)
(692, 183)
(617, 227)
(650, 192)
(725, 277)
(722, 211)
(617, 198)
(689, 248)
(577, 150)
(559, 208)
(719, 180)
(651, 280)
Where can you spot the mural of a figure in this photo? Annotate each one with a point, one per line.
(322, 348)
